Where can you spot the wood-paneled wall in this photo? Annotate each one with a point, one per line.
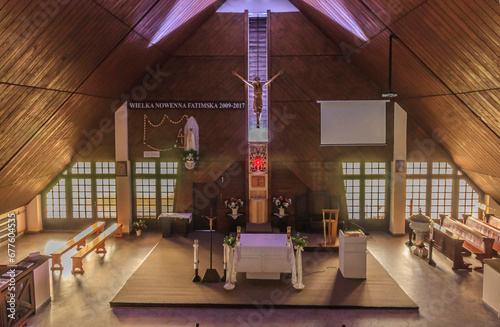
(201, 70)
(315, 69)
(65, 67)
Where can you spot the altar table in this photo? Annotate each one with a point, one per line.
(168, 219)
(263, 256)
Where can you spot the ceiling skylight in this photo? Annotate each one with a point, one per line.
(181, 12)
(338, 11)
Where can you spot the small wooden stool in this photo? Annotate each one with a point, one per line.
(330, 225)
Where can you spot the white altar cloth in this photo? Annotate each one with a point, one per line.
(263, 256)
(176, 215)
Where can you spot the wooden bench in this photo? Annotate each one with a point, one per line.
(474, 242)
(97, 244)
(493, 220)
(78, 241)
(450, 245)
(485, 229)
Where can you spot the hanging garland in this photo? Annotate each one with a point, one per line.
(179, 135)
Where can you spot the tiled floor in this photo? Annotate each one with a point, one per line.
(445, 297)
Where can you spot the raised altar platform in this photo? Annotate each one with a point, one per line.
(164, 280)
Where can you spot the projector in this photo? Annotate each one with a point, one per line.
(389, 95)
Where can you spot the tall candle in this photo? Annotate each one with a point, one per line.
(195, 246)
(225, 257)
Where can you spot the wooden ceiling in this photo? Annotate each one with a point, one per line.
(65, 66)
(446, 69)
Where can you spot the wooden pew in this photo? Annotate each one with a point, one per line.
(97, 244)
(450, 245)
(474, 241)
(78, 241)
(493, 220)
(485, 229)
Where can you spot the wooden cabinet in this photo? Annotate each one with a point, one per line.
(23, 303)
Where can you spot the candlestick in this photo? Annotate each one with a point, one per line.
(196, 261)
(211, 274)
(288, 233)
(225, 257)
(225, 248)
(238, 232)
(196, 277)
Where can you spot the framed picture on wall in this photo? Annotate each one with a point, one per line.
(400, 166)
(121, 168)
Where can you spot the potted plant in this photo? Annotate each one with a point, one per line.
(234, 204)
(420, 249)
(282, 203)
(139, 226)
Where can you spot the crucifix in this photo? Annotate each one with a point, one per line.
(257, 92)
(211, 275)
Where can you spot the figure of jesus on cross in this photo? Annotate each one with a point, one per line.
(257, 92)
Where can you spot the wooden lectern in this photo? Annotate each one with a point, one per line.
(330, 226)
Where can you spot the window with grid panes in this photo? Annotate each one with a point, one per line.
(145, 192)
(167, 195)
(467, 200)
(375, 168)
(91, 192)
(441, 168)
(441, 197)
(374, 198)
(106, 197)
(365, 187)
(81, 168)
(416, 168)
(416, 196)
(155, 188)
(82, 197)
(441, 189)
(351, 168)
(145, 168)
(105, 168)
(56, 201)
(352, 197)
(168, 168)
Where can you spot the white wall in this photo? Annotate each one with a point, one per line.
(398, 180)
(34, 215)
(123, 183)
(20, 218)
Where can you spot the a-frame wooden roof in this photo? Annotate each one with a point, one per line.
(65, 66)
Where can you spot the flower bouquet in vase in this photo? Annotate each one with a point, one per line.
(139, 226)
(234, 205)
(421, 250)
(282, 203)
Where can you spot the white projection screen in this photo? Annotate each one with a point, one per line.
(353, 122)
